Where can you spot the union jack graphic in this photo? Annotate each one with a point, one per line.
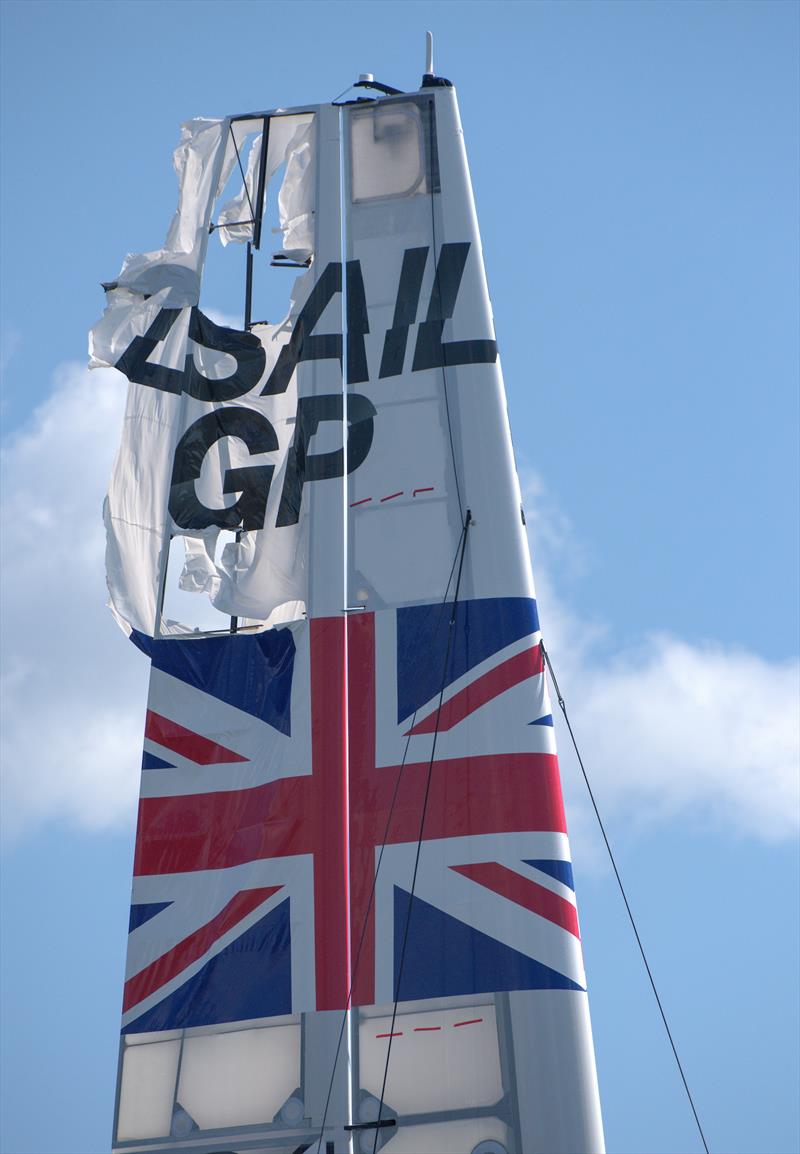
(281, 768)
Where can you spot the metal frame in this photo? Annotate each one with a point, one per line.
(267, 1134)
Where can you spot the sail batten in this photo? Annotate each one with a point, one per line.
(353, 920)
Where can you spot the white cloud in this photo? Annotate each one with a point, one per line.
(699, 728)
(707, 732)
(73, 687)
(704, 732)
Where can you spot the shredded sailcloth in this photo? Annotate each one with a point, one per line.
(158, 293)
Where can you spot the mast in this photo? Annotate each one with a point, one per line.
(353, 921)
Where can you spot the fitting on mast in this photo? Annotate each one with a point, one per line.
(429, 77)
(428, 55)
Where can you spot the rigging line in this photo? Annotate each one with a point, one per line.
(344, 241)
(450, 636)
(244, 183)
(341, 94)
(362, 938)
(563, 707)
(433, 159)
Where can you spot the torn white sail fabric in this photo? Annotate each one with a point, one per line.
(291, 143)
(264, 568)
(202, 450)
(127, 315)
(235, 223)
(296, 196)
(203, 162)
(135, 510)
(182, 462)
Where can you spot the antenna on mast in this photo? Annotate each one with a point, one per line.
(430, 79)
(428, 54)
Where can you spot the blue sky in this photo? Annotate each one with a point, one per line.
(636, 173)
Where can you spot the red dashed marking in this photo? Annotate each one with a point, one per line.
(391, 496)
(430, 1029)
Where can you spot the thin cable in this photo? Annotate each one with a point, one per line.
(237, 223)
(341, 94)
(398, 984)
(563, 707)
(345, 322)
(362, 938)
(432, 158)
(244, 179)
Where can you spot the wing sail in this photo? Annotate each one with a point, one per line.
(353, 921)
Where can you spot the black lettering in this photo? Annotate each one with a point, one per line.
(430, 351)
(304, 344)
(405, 311)
(357, 325)
(252, 481)
(138, 369)
(245, 348)
(302, 466)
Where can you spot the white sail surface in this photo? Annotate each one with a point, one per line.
(353, 921)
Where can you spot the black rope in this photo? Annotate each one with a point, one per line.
(563, 707)
(373, 887)
(450, 635)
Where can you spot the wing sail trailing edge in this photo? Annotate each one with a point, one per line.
(353, 921)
